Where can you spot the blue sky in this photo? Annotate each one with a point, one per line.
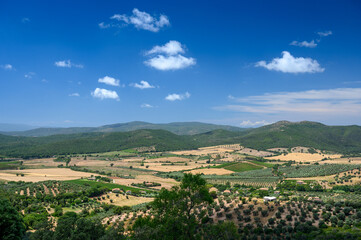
(243, 63)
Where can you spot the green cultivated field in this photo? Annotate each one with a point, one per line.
(238, 166)
(9, 165)
(110, 186)
(317, 170)
(265, 164)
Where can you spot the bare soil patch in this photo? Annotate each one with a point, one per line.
(46, 189)
(253, 152)
(171, 167)
(211, 171)
(303, 157)
(353, 160)
(210, 150)
(37, 175)
(125, 200)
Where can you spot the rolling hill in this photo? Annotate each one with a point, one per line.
(180, 128)
(342, 139)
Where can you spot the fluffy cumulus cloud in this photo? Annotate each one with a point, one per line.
(291, 64)
(7, 67)
(74, 95)
(325, 33)
(142, 85)
(249, 123)
(307, 104)
(169, 57)
(67, 64)
(170, 48)
(109, 81)
(311, 44)
(139, 19)
(165, 63)
(146, 105)
(105, 94)
(175, 96)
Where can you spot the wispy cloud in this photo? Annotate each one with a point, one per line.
(103, 25)
(329, 102)
(7, 67)
(177, 97)
(25, 20)
(105, 94)
(139, 19)
(249, 123)
(291, 64)
(67, 64)
(29, 75)
(146, 105)
(311, 44)
(142, 85)
(352, 82)
(74, 95)
(325, 33)
(168, 57)
(109, 81)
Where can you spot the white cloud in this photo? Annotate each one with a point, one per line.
(291, 64)
(324, 33)
(169, 57)
(74, 95)
(146, 105)
(142, 85)
(170, 48)
(67, 64)
(249, 123)
(7, 67)
(165, 63)
(109, 81)
(104, 94)
(29, 75)
(311, 44)
(140, 20)
(323, 103)
(175, 96)
(120, 17)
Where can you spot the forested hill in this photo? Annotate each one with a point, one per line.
(180, 128)
(342, 139)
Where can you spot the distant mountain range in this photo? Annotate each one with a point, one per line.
(180, 128)
(7, 127)
(342, 139)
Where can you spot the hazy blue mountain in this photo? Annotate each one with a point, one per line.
(180, 128)
(9, 127)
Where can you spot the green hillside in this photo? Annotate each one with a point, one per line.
(180, 128)
(342, 139)
(91, 143)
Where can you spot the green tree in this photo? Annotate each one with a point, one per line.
(177, 214)
(32, 219)
(222, 231)
(11, 223)
(43, 232)
(65, 226)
